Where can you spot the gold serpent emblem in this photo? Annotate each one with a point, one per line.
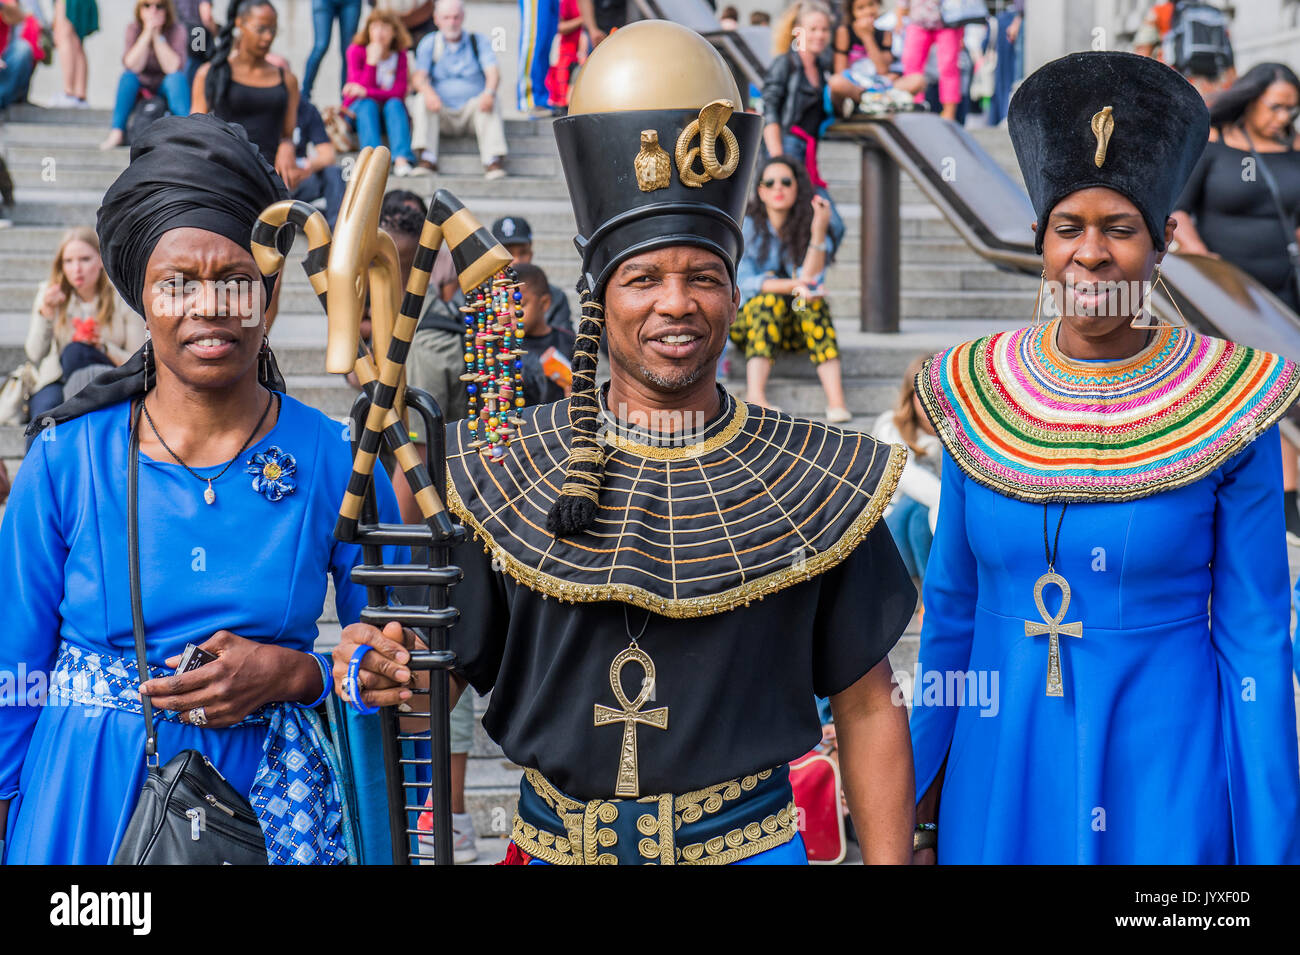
(711, 123)
(652, 165)
(1103, 124)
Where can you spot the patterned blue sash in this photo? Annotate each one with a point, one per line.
(295, 792)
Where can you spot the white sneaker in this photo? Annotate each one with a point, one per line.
(464, 849)
(401, 168)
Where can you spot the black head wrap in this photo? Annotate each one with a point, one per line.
(186, 172)
(1112, 119)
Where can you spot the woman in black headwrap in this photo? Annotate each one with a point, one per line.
(238, 486)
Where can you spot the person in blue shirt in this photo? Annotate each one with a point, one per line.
(783, 305)
(456, 81)
(239, 488)
(1105, 670)
(316, 176)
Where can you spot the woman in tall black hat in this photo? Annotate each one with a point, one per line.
(238, 488)
(678, 572)
(1109, 561)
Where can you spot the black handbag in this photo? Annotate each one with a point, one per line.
(188, 814)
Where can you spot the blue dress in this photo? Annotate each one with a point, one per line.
(1167, 734)
(245, 564)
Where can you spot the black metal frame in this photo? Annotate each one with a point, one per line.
(430, 575)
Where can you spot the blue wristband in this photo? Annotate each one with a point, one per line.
(327, 680)
(350, 682)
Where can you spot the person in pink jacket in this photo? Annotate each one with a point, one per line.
(376, 87)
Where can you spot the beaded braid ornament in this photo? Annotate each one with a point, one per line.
(494, 360)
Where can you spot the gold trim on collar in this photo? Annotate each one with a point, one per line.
(742, 594)
(617, 437)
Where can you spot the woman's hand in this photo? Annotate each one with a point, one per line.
(374, 53)
(354, 90)
(384, 677)
(821, 217)
(51, 300)
(245, 676)
(285, 160)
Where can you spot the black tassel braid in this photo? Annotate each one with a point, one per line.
(575, 509)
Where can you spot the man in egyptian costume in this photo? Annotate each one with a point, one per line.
(661, 578)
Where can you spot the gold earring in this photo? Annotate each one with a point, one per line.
(1047, 313)
(1146, 318)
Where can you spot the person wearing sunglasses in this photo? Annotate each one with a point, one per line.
(780, 277)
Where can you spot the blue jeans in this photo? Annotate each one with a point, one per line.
(396, 124)
(16, 74)
(174, 89)
(75, 355)
(909, 523)
(323, 15)
(327, 182)
(1004, 74)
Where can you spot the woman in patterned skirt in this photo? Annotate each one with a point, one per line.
(783, 304)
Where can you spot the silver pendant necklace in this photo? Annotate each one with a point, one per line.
(209, 495)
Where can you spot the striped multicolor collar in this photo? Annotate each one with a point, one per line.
(1018, 416)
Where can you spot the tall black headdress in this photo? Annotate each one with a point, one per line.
(656, 153)
(1118, 120)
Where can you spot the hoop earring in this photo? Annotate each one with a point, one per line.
(1044, 314)
(1146, 318)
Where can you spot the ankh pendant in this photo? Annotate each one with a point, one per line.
(1053, 627)
(628, 782)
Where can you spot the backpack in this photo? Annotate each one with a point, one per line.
(145, 112)
(440, 45)
(1197, 42)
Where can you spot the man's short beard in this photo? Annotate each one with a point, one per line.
(677, 383)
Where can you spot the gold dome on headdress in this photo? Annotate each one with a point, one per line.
(653, 64)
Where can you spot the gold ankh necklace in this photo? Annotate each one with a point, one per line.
(1052, 625)
(628, 782)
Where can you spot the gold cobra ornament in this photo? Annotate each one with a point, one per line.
(1103, 124)
(711, 123)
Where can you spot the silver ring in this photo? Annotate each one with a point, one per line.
(198, 717)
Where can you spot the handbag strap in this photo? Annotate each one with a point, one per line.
(1287, 222)
(133, 571)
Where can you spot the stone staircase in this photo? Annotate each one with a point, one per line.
(949, 295)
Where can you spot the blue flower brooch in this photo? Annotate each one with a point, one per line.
(272, 472)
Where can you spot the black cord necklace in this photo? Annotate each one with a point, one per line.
(1052, 625)
(209, 495)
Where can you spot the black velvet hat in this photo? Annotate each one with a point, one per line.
(649, 161)
(1112, 119)
(656, 153)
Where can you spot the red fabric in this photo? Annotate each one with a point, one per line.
(515, 856)
(557, 78)
(359, 71)
(32, 34)
(816, 783)
(810, 156)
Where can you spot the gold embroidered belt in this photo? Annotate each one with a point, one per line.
(715, 826)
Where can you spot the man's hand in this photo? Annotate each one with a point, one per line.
(485, 101)
(245, 675)
(296, 175)
(431, 101)
(384, 678)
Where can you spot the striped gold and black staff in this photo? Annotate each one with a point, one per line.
(476, 255)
